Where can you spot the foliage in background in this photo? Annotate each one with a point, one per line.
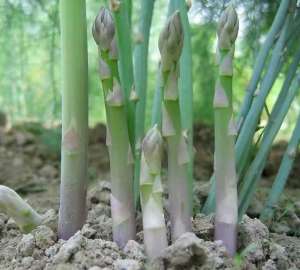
(29, 62)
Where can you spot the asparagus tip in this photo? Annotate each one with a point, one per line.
(152, 149)
(103, 29)
(170, 41)
(228, 28)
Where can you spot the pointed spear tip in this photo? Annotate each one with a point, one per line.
(170, 41)
(103, 29)
(228, 27)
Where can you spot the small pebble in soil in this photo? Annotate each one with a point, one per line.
(44, 237)
(127, 264)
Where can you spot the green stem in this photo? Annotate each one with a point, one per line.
(261, 59)
(121, 178)
(180, 211)
(286, 85)
(282, 175)
(248, 129)
(254, 171)
(140, 77)
(278, 104)
(121, 12)
(121, 159)
(72, 212)
(157, 100)
(226, 180)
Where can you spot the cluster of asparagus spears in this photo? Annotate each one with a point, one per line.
(138, 162)
(170, 46)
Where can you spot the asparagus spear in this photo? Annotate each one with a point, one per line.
(225, 131)
(247, 131)
(72, 212)
(155, 236)
(170, 46)
(120, 152)
(186, 88)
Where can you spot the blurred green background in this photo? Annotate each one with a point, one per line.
(30, 57)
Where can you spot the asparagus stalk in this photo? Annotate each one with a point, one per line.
(14, 206)
(72, 212)
(186, 89)
(170, 46)
(155, 235)
(282, 176)
(120, 152)
(246, 133)
(225, 131)
(140, 77)
(254, 171)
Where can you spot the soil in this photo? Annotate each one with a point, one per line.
(29, 163)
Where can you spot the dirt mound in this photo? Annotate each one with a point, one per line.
(92, 247)
(29, 163)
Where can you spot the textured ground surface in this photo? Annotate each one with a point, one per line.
(29, 163)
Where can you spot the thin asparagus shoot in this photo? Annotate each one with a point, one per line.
(282, 175)
(155, 234)
(120, 151)
(261, 59)
(224, 159)
(170, 47)
(254, 171)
